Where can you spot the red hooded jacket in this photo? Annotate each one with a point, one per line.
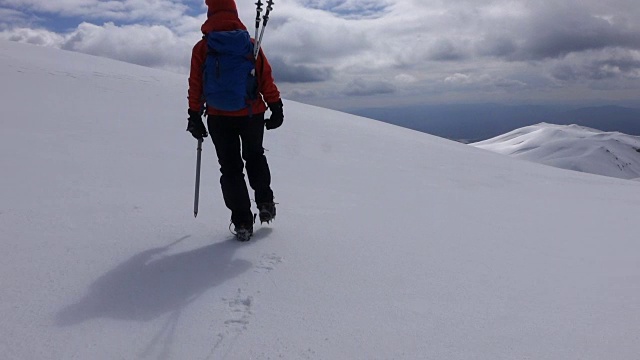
(223, 16)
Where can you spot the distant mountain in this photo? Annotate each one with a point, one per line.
(477, 122)
(572, 147)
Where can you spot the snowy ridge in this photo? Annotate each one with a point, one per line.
(572, 147)
(389, 243)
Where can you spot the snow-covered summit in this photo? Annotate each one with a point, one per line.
(389, 243)
(572, 147)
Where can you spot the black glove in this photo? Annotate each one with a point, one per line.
(196, 126)
(277, 115)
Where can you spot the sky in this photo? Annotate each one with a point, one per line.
(360, 53)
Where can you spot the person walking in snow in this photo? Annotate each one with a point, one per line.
(237, 133)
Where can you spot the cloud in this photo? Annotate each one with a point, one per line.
(152, 46)
(388, 48)
(445, 50)
(498, 45)
(300, 73)
(405, 79)
(559, 29)
(458, 78)
(553, 29)
(482, 81)
(305, 38)
(300, 94)
(615, 64)
(34, 36)
(360, 87)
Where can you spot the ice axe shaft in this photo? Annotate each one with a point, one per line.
(197, 194)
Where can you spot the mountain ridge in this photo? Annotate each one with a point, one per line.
(572, 147)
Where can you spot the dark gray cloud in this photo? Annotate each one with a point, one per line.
(446, 50)
(362, 87)
(555, 29)
(625, 65)
(298, 73)
(561, 30)
(499, 45)
(605, 65)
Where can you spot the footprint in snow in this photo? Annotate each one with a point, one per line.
(267, 263)
(240, 308)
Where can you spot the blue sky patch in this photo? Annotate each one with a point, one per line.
(54, 22)
(351, 9)
(59, 23)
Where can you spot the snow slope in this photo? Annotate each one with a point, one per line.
(389, 243)
(572, 147)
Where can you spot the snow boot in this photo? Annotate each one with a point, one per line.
(244, 230)
(243, 233)
(267, 212)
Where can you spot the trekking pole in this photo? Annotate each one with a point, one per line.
(197, 195)
(265, 20)
(258, 12)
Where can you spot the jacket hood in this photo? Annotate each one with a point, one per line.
(222, 15)
(221, 5)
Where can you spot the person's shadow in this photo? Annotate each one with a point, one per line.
(150, 284)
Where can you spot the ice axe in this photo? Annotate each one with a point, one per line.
(197, 194)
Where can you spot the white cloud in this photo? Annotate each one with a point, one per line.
(482, 81)
(458, 78)
(34, 36)
(153, 46)
(405, 79)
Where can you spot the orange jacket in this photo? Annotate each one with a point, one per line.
(228, 21)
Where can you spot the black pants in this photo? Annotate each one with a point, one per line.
(235, 139)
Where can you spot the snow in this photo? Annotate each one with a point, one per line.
(572, 147)
(389, 243)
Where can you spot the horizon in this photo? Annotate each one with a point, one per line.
(391, 53)
(477, 122)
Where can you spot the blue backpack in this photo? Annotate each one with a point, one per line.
(229, 71)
